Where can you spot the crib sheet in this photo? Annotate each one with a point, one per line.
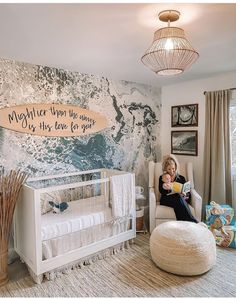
(81, 214)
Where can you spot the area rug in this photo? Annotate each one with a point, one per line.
(132, 274)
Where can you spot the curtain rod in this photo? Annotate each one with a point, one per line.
(234, 88)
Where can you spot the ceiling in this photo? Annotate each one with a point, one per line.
(109, 39)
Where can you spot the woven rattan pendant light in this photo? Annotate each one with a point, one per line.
(170, 53)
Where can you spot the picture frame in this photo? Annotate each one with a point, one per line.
(184, 142)
(184, 115)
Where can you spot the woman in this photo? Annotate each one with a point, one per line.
(179, 202)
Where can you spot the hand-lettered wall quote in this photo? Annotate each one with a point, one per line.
(52, 120)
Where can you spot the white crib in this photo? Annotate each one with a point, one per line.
(97, 218)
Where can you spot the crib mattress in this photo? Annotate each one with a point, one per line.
(80, 215)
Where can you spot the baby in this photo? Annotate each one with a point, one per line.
(166, 178)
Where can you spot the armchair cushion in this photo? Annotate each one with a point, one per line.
(164, 212)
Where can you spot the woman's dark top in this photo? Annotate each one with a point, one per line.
(179, 179)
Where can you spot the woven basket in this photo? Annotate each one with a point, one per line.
(139, 219)
(139, 223)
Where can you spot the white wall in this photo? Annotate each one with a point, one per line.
(191, 92)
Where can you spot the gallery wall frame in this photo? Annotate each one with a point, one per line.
(184, 115)
(184, 142)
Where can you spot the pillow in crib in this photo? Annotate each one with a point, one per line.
(44, 203)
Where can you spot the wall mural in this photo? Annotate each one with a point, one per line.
(132, 110)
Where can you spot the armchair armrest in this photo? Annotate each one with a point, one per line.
(152, 209)
(196, 203)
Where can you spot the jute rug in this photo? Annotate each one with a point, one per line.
(132, 274)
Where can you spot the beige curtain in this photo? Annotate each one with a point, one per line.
(217, 153)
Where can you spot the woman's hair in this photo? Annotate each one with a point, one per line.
(169, 160)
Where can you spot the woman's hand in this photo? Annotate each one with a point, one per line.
(167, 186)
(185, 196)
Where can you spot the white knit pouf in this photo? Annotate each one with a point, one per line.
(183, 248)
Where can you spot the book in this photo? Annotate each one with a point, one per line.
(180, 188)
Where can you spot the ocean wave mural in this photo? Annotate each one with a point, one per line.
(128, 143)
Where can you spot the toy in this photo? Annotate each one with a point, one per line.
(228, 213)
(58, 208)
(216, 219)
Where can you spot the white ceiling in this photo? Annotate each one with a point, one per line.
(109, 39)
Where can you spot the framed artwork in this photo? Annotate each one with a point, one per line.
(184, 143)
(184, 115)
